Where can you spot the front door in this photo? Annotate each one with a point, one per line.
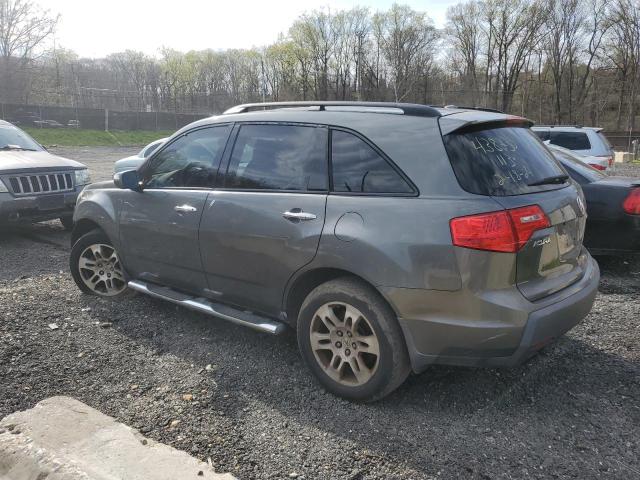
(159, 226)
(266, 222)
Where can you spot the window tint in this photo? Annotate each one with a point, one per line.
(571, 140)
(190, 161)
(579, 171)
(500, 161)
(357, 167)
(279, 157)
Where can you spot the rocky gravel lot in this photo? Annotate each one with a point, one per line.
(245, 400)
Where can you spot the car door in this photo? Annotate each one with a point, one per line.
(265, 223)
(159, 225)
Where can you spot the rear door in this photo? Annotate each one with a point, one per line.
(266, 222)
(512, 166)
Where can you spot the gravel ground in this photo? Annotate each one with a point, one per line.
(100, 160)
(246, 401)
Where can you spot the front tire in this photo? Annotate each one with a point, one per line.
(96, 268)
(350, 339)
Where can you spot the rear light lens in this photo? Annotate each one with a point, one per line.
(631, 204)
(504, 231)
(597, 167)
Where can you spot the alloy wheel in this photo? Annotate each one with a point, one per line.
(344, 343)
(101, 271)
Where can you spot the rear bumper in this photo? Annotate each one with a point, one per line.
(36, 208)
(495, 331)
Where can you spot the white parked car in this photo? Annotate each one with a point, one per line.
(134, 161)
(587, 141)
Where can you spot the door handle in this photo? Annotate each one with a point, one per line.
(298, 214)
(185, 208)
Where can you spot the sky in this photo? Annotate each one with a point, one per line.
(95, 29)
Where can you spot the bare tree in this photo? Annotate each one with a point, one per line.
(24, 30)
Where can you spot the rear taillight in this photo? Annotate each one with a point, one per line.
(597, 167)
(631, 204)
(503, 231)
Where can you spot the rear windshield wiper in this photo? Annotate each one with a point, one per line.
(550, 180)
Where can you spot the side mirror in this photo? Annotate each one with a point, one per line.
(128, 179)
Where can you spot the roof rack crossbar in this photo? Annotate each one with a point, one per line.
(412, 109)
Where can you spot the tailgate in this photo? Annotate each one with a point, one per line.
(553, 258)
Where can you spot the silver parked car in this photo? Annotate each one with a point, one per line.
(35, 185)
(134, 161)
(390, 236)
(586, 141)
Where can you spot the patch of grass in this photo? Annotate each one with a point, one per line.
(71, 137)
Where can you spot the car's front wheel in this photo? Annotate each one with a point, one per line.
(350, 339)
(95, 266)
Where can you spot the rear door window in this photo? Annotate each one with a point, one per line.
(279, 157)
(501, 161)
(358, 168)
(571, 140)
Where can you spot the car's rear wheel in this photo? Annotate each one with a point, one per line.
(351, 340)
(96, 267)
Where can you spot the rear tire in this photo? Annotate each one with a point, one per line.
(350, 339)
(96, 268)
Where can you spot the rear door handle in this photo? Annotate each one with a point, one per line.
(185, 208)
(298, 214)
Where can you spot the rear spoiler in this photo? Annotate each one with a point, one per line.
(468, 119)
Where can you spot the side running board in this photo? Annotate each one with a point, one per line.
(239, 317)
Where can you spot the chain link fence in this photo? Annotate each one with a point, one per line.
(93, 118)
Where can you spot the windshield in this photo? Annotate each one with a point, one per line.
(572, 163)
(14, 138)
(502, 161)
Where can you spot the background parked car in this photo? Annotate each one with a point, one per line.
(613, 207)
(134, 161)
(599, 163)
(34, 184)
(582, 140)
(73, 124)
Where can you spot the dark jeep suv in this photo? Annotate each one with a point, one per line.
(390, 236)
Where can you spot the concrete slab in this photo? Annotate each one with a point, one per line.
(64, 439)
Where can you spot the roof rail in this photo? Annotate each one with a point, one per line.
(481, 109)
(412, 109)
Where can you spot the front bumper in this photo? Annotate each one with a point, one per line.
(37, 208)
(500, 330)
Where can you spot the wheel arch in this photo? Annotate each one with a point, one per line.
(300, 287)
(82, 227)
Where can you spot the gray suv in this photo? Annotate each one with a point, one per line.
(35, 185)
(390, 236)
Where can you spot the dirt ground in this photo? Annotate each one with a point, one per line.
(573, 411)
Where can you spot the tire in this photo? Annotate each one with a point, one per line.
(93, 256)
(67, 223)
(336, 367)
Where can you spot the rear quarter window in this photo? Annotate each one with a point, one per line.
(571, 140)
(500, 161)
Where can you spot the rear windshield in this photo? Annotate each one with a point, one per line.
(501, 161)
(571, 140)
(605, 140)
(574, 165)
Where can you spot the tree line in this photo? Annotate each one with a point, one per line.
(555, 61)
